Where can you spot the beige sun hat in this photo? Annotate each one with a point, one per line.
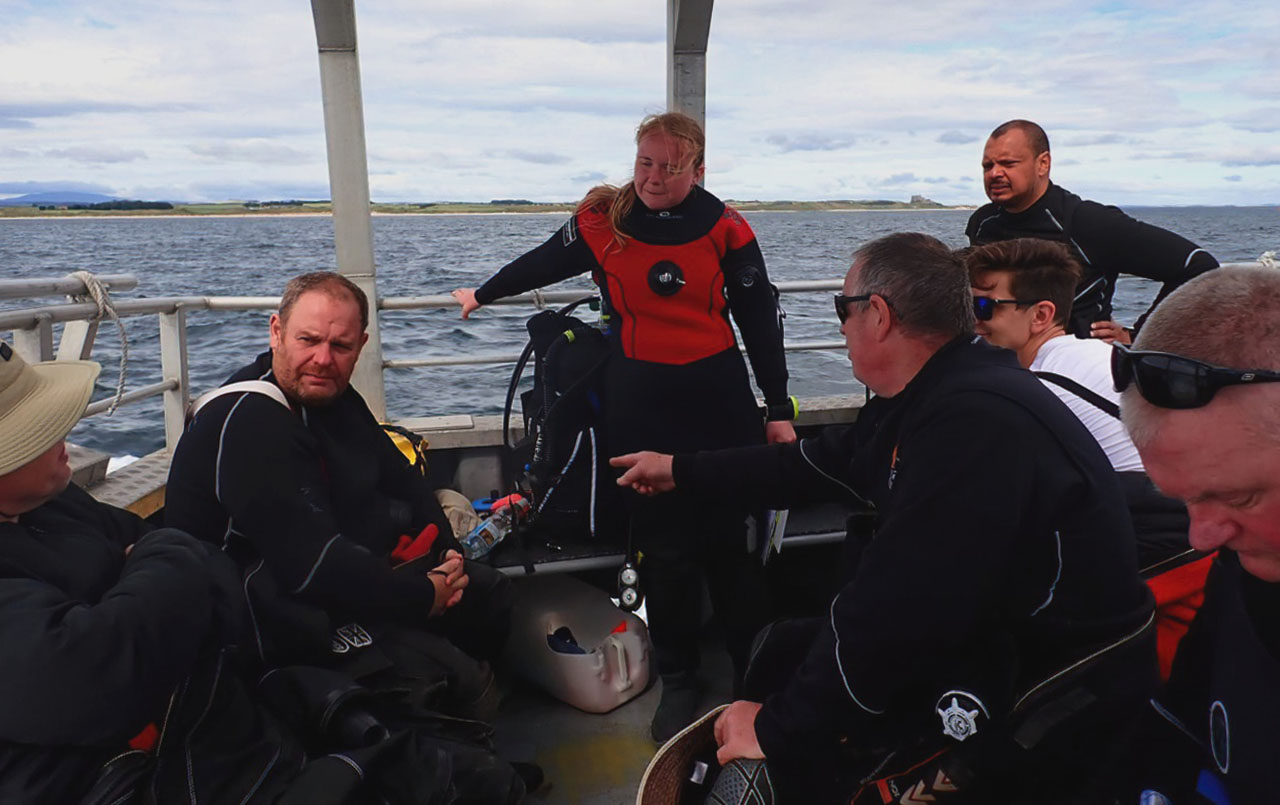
(39, 405)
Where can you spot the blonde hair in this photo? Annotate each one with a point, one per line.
(618, 202)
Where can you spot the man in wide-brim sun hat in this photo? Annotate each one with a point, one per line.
(39, 404)
(100, 615)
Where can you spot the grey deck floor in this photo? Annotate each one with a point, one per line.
(595, 759)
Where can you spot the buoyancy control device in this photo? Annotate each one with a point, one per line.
(562, 459)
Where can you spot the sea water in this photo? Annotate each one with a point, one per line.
(433, 254)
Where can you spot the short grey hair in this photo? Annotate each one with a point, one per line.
(1227, 317)
(925, 283)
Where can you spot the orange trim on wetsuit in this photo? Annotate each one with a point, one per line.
(669, 298)
(1179, 593)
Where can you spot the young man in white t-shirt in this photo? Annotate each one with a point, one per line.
(1022, 294)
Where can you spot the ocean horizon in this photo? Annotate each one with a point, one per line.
(432, 253)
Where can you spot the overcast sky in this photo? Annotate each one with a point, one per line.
(1145, 102)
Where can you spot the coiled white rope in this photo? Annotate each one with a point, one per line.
(97, 292)
(1268, 259)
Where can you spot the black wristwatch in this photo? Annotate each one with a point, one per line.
(785, 411)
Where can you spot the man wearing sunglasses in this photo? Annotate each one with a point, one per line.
(1022, 293)
(1003, 557)
(1203, 406)
(1025, 204)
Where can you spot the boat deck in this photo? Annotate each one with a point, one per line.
(590, 758)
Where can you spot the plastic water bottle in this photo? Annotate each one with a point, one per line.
(483, 538)
(486, 535)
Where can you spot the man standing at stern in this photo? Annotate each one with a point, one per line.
(1108, 243)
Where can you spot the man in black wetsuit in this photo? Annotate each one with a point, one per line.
(1108, 243)
(1022, 291)
(1211, 436)
(311, 498)
(1003, 555)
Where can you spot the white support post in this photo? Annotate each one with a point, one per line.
(35, 344)
(173, 367)
(688, 28)
(349, 177)
(76, 343)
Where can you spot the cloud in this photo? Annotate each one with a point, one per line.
(1081, 141)
(810, 141)
(487, 99)
(1235, 177)
(23, 188)
(38, 110)
(1261, 119)
(1254, 157)
(897, 179)
(257, 191)
(258, 152)
(538, 157)
(90, 155)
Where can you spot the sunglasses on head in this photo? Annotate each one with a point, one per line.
(1172, 381)
(843, 302)
(984, 307)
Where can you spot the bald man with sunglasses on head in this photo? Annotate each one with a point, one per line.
(1203, 407)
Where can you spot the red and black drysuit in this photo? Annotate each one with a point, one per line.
(1107, 243)
(1003, 554)
(1210, 737)
(676, 381)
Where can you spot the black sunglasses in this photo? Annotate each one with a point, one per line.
(1172, 381)
(843, 302)
(984, 307)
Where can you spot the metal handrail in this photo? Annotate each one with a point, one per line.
(564, 296)
(62, 286)
(34, 334)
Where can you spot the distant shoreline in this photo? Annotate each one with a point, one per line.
(391, 211)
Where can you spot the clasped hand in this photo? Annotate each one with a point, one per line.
(449, 579)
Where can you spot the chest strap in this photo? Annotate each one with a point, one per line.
(1083, 392)
(255, 386)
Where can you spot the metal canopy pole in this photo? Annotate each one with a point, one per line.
(688, 27)
(349, 177)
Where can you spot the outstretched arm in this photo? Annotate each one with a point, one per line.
(777, 475)
(647, 472)
(565, 254)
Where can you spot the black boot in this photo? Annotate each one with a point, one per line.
(677, 707)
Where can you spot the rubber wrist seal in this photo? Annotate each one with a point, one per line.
(785, 411)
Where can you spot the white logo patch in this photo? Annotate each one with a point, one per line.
(958, 721)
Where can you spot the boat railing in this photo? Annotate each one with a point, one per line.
(33, 330)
